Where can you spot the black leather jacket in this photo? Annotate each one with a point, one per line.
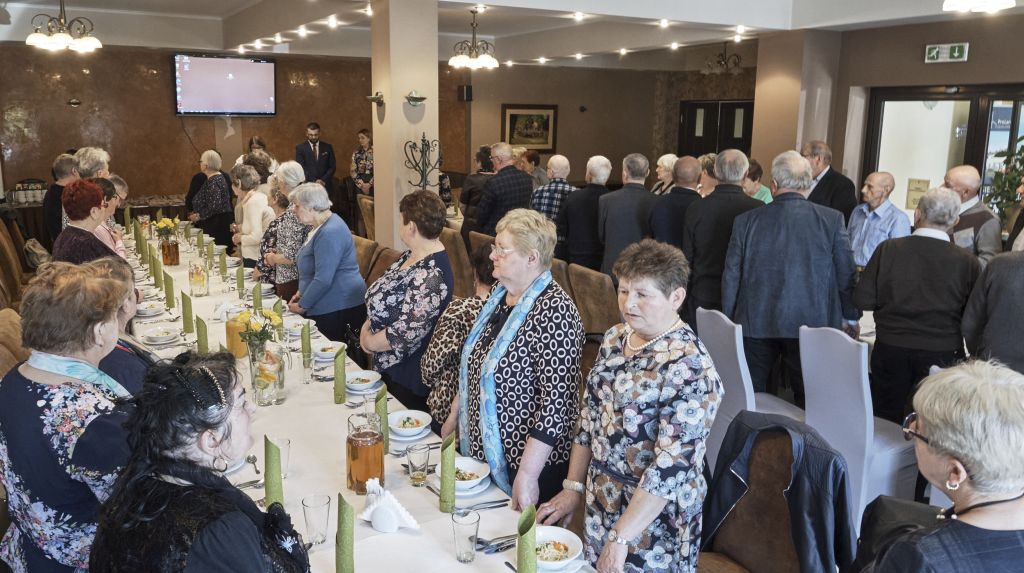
(818, 493)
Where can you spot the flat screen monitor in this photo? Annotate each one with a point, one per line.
(219, 85)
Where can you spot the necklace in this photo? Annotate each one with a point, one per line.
(952, 512)
(635, 349)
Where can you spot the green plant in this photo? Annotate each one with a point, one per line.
(1006, 181)
(259, 327)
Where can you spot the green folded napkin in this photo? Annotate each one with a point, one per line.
(279, 307)
(240, 282)
(222, 348)
(273, 489)
(169, 290)
(186, 313)
(200, 241)
(340, 391)
(188, 229)
(159, 214)
(209, 254)
(526, 548)
(380, 405)
(447, 473)
(257, 296)
(307, 344)
(144, 252)
(156, 269)
(127, 216)
(224, 265)
(344, 540)
(202, 339)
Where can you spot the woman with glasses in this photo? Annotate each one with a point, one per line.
(968, 433)
(519, 375)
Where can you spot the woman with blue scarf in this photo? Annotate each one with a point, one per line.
(520, 370)
(61, 438)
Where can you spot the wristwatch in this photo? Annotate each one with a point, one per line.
(613, 537)
(572, 485)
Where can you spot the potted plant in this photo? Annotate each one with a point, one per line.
(1003, 197)
(165, 229)
(267, 361)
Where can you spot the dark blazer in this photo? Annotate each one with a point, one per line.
(322, 167)
(668, 213)
(623, 219)
(577, 225)
(706, 232)
(992, 323)
(789, 264)
(509, 189)
(837, 191)
(1018, 226)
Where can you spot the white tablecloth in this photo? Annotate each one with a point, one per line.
(318, 428)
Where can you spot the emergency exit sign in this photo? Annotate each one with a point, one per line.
(945, 53)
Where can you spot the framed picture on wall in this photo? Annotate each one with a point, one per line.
(530, 126)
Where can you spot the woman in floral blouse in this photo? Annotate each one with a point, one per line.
(403, 305)
(361, 169)
(285, 235)
(639, 454)
(212, 203)
(62, 443)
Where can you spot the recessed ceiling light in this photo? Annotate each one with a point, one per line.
(737, 38)
(623, 51)
(369, 10)
(241, 49)
(674, 45)
(578, 56)
(277, 38)
(332, 21)
(579, 16)
(741, 29)
(258, 44)
(542, 60)
(481, 8)
(509, 63)
(302, 31)
(663, 23)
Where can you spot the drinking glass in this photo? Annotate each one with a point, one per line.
(419, 461)
(285, 446)
(465, 526)
(316, 509)
(307, 367)
(198, 280)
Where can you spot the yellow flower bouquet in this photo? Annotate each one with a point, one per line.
(166, 227)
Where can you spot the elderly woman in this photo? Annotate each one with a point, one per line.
(916, 327)
(708, 182)
(531, 165)
(473, 189)
(522, 361)
(403, 305)
(666, 163)
(128, 361)
(261, 162)
(440, 364)
(968, 433)
(330, 287)
(650, 401)
(211, 205)
(172, 509)
(361, 169)
(256, 143)
(256, 214)
(112, 199)
(83, 202)
(62, 443)
(752, 185)
(282, 241)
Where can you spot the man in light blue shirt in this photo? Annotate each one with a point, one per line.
(876, 219)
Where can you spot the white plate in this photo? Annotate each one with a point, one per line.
(425, 433)
(372, 377)
(234, 469)
(151, 308)
(395, 417)
(551, 533)
(160, 335)
(480, 488)
(165, 344)
(571, 566)
(321, 354)
(367, 392)
(471, 465)
(233, 262)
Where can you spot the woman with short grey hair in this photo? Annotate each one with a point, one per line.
(210, 206)
(92, 162)
(330, 287)
(968, 434)
(663, 169)
(288, 234)
(255, 213)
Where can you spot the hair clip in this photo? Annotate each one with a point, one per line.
(216, 384)
(179, 374)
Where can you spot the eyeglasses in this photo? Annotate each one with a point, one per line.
(909, 434)
(500, 252)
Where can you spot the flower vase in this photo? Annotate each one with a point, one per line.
(169, 251)
(264, 375)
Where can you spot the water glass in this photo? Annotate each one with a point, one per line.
(307, 367)
(465, 526)
(285, 445)
(316, 509)
(419, 460)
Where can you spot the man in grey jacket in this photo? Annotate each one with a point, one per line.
(978, 229)
(624, 215)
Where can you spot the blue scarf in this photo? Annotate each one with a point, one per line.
(74, 368)
(494, 451)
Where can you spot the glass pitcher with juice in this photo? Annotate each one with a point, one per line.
(364, 451)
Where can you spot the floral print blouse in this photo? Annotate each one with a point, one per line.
(285, 235)
(645, 419)
(362, 165)
(61, 449)
(213, 198)
(440, 364)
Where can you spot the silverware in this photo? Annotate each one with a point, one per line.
(499, 539)
(251, 459)
(500, 547)
(253, 484)
(510, 566)
(402, 452)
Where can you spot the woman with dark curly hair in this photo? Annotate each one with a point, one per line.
(172, 509)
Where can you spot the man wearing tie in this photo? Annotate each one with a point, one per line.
(316, 157)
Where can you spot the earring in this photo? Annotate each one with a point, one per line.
(952, 486)
(223, 462)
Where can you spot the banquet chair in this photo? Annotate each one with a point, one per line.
(477, 240)
(366, 211)
(724, 340)
(838, 404)
(19, 243)
(385, 258)
(365, 252)
(13, 279)
(459, 259)
(10, 339)
(596, 299)
(560, 272)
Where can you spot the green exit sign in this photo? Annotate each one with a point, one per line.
(945, 53)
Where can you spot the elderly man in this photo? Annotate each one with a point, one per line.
(876, 219)
(578, 240)
(789, 264)
(707, 229)
(830, 187)
(624, 215)
(1015, 242)
(978, 230)
(992, 321)
(509, 189)
(670, 208)
(547, 199)
(65, 170)
(917, 327)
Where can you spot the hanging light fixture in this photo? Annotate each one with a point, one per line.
(988, 6)
(473, 54)
(722, 63)
(57, 33)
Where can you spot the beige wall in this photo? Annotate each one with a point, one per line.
(777, 95)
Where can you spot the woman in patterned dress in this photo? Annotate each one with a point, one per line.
(284, 236)
(62, 443)
(212, 203)
(520, 368)
(651, 398)
(361, 169)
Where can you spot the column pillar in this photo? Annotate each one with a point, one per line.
(403, 58)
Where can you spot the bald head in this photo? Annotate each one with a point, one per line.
(558, 167)
(686, 172)
(877, 188)
(965, 180)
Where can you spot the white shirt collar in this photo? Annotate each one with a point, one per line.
(931, 233)
(969, 203)
(814, 182)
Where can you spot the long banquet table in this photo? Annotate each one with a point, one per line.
(317, 428)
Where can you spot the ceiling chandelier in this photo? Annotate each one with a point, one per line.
(722, 63)
(473, 54)
(57, 33)
(989, 6)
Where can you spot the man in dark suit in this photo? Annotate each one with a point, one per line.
(509, 189)
(316, 157)
(789, 264)
(579, 241)
(624, 216)
(1018, 224)
(829, 187)
(706, 231)
(669, 210)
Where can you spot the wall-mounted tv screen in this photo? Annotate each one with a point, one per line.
(217, 85)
